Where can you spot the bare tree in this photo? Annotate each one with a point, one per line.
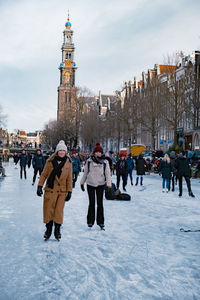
(3, 117)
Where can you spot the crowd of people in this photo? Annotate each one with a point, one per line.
(60, 170)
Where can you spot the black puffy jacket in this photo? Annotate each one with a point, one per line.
(182, 166)
(140, 166)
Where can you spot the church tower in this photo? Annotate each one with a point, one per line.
(67, 72)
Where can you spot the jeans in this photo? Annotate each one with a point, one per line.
(36, 170)
(141, 179)
(165, 180)
(22, 168)
(130, 172)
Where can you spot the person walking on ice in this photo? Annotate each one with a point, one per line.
(57, 174)
(23, 161)
(165, 168)
(38, 163)
(96, 173)
(140, 169)
(183, 170)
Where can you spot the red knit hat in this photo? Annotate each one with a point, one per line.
(122, 154)
(73, 152)
(98, 148)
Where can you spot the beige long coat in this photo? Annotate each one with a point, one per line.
(54, 199)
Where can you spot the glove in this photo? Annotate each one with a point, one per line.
(68, 197)
(82, 187)
(39, 190)
(109, 187)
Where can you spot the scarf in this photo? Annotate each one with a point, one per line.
(97, 160)
(58, 163)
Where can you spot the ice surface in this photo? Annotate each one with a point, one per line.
(141, 255)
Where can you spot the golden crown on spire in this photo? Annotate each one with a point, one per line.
(68, 24)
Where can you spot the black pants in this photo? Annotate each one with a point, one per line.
(172, 180)
(36, 170)
(187, 179)
(91, 208)
(22, 168)
(124, 177)
(75, 176)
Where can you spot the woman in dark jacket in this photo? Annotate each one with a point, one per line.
(38, 163)
(174, 171)
(23, 159)
(165, 168)
(140, 169)
(15, 159)
(122, 171)
(183, 170)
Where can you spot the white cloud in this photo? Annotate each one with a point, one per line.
(114, 40)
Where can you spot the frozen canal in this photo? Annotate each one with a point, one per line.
(141, 255)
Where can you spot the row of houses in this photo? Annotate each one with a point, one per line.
(20, 139)
(161, 109)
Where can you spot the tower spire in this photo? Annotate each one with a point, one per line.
(67, 71)
(68, 24)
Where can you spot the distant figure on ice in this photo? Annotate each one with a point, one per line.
(23, 161)
(114, 161)
(76, 167)
(29, 159)
(58, 176)
(140, 169)
(96, 174)
(2, 169)
(38, 164)
(183, 170)
(122, 171)
(165, 168)
(130, 164)
(15, 159)
(174, 171)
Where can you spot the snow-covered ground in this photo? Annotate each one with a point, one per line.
(141, 255)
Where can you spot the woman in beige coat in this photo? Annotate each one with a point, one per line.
(58, 176)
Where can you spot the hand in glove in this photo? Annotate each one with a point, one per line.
(82, 187)
(68, 197)
(109, 187)
(39, 190)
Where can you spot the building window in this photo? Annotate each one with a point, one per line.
(196, 142)
(67, 97)
(68, 55)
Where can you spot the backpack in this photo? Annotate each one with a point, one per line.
(110, 192)
(124, 197)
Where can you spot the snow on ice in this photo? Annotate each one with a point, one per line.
(141, 255)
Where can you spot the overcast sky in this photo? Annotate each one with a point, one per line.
(115, 40)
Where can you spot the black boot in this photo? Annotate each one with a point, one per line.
(57, 233)
(49, 230)
(191, 195)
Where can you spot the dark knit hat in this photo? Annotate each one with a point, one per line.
(98, 148)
